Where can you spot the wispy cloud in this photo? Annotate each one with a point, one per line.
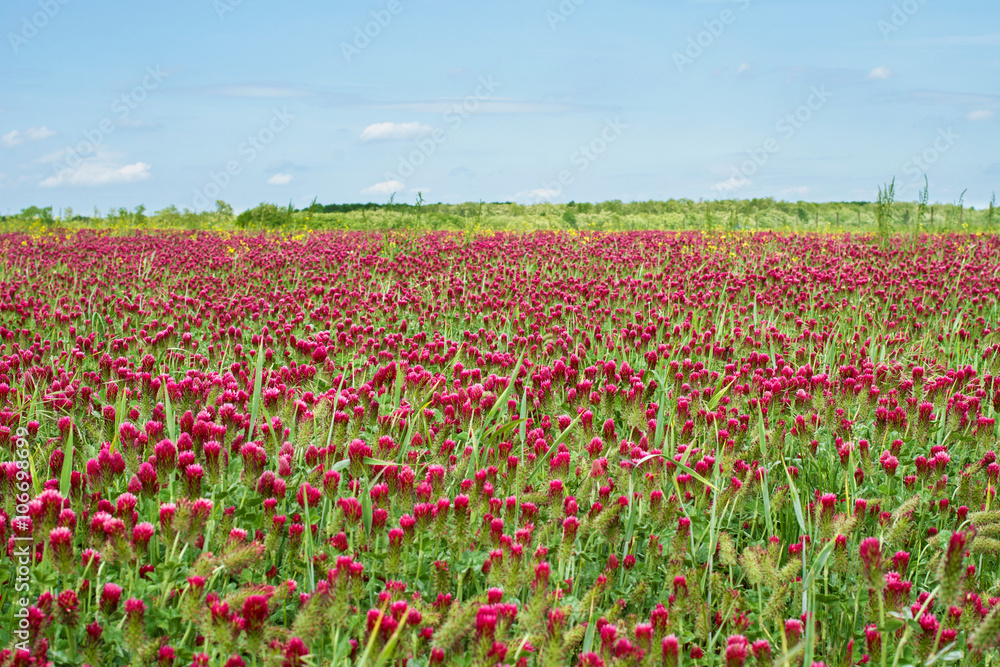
(258, 91)
(732, 183)
(136, 124)
(797, 191)
(97, 171)
(17, 137)
(385, 188)
(880, 73)
(389, 131)
(280, 179)
(979, 114)
(536, 195)
(945, 97)
(991, 39)
(487, 105)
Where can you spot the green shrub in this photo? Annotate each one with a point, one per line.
(265, 215)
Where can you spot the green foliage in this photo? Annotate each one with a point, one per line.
(883, 208)
(883, 217)
(569, 218)
(223, 211)
(35, 214)
(265, 216)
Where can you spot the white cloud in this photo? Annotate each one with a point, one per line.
(880, 73)
(384, 188)
(15, 137)
(51, 157)
(386, 131)
(801, 190)
(979, 114)
(280, 179)
(100, 171)
(732, 183)
(744, 67)
(486, 105)
(537, 195)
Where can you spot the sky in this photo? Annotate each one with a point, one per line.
(119, 103)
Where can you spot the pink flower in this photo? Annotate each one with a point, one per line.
(255, 613)
(871, 560)
(61, 543)
(134, 607)
(110, 596)
(307, 495)
(68, 605)
(671, 649)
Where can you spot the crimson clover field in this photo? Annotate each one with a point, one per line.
(645, 448)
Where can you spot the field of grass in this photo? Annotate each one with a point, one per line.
(526, 441)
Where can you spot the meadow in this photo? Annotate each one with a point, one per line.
(501, 444)
(886, 215)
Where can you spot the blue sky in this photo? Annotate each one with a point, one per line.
(119, 103)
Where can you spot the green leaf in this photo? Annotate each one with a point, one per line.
(796, 503)
(65, 475)
(258, 380)
(390, 646)
(329, 435)
(502, 400)
(169, 409)
(501, 431)
(540, 463)
(892, 625)
(371, 461)
(645, 458)
(717, 396)
(818, 563)
(765, 486)
(588, 638)
(366, 511)
(828, 599)
(694, 474)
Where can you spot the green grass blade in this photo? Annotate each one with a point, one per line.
(258, 380)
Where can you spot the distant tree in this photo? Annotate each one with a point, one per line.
(265, 215)
(35, 214)
(223, 211)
